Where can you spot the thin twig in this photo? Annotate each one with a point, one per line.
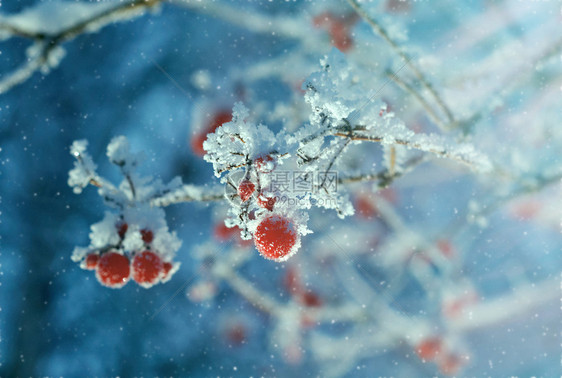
(378, 29)
(408, 88)
(384, 177)
(413, 145)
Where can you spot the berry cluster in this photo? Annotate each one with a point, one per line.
(115, 263)
(133, 242)
(114, 267)
(275, 235)
(256, 210)
(274, 232)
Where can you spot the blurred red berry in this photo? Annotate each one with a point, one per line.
(197, 143)
(236, 334)
(310, 299)
(291, 280)
(365, 207)
(341, 38)
(147, 267)
(338, 27)
(526, 210)
(450, 364)
(220, 118)
(224, 233)
(113, 270)
(429, 348)
(275, 238)
(446, 248)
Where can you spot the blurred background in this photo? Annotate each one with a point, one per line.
(146, 78)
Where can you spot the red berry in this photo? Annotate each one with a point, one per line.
(527, 210)
(310, 299)
(245, 190)
(223, 116)
(224, 233)
(265, 164)
(366, 208)
(266, 202)
(147, 236)
(276, 238)
(197, 143)
(236, 334)
(166, 268)
(147, 266)
(122, 229)
(291, 281)
(446, 248)
(338, 28)
(91, 261)
(450, 364)
(429, 348)
(322, 19)
(113, 270)
(339, 32)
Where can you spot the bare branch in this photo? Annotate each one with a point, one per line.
(408, 88)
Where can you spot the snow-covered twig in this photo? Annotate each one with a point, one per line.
(60, 23)
(189, 193)
(495, 310)
(432, 143)
(385, 177)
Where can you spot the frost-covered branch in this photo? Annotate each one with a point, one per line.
(189, 193)
(523, 298)
(384, 177)
(49, 25)
(464, 153)
(246, 289)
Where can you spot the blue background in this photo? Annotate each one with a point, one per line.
(55, 319)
